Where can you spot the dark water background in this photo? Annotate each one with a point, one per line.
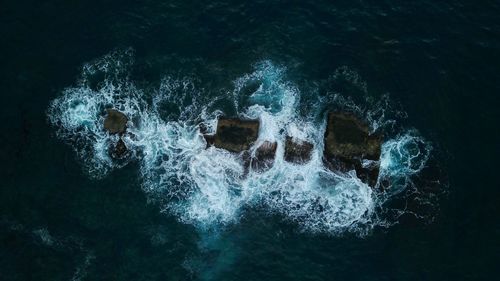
(438, 61)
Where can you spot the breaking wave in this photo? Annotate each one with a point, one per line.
(207, 187)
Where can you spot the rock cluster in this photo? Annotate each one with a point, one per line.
(115, 122)
(349, 145)
(238, 135)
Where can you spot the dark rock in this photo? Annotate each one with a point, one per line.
(210, 139)
(264, 156)
(115, 122)
(203, 128)
(350, 146)
(297, 152)
(119, 150)
(234, 135)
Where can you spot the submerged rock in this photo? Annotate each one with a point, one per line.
(298, 152)
(264, 156)
(350, 146)
(119, 150)
(115, 122)
(234, 135)
(203, 128)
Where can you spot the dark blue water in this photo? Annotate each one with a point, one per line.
(423, 70)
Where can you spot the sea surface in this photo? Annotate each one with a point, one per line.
(425, 74)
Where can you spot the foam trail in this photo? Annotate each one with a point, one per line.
(206, 187)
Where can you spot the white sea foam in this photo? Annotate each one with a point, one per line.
(403, 157)
(207, 187)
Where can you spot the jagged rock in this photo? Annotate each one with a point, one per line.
(264, 156)
(115, 122)
(234, 135)
(350, 146)
(203, 128)
(119, 150)
(297, 152)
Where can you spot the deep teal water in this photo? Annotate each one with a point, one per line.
(437, 62)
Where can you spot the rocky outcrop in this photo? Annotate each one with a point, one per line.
(238, 136)
(350, 146)
(298, 152)
(234, 135)
(119, 150)
(264, 156)
(115, 122)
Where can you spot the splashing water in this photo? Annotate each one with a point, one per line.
(403, 157)
(206, 187)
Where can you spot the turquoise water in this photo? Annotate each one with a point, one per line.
(422, 73)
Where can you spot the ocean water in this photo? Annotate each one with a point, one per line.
(422, 73)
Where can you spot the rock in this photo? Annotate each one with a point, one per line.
(264, 156)
(119, 150)
(297, 152)
(210, 139)
(115, 122)
(350, 146)
(203, 128)
(234, 135)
